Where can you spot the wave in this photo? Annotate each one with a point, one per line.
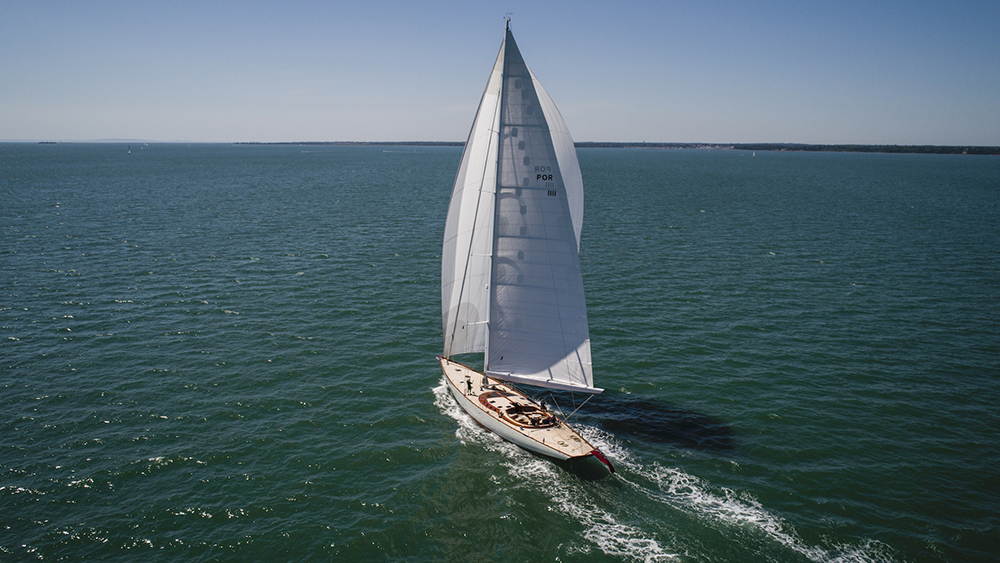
(604, 526)
(741, 511)
(601, 528)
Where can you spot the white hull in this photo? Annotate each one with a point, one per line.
(556, 439)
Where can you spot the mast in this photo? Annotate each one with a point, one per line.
(468, 237)
(489, 254)
(496, 191)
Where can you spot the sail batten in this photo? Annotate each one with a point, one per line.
(511, 280)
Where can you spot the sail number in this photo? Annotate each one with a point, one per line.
(540, 173)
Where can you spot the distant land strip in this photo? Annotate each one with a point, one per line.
(368, 143)
(913, 149)
(916, 149)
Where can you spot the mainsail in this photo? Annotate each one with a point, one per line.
(510, 278)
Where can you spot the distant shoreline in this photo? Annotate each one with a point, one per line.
(801, 147)
(796, 147)
(785, 147)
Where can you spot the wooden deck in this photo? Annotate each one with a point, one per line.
(512, 415)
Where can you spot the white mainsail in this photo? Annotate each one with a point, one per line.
(510, 275)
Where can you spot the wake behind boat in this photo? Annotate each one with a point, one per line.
(511, 286)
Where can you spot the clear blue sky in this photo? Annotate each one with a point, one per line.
(879, 72)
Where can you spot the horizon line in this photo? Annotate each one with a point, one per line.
(763, 146)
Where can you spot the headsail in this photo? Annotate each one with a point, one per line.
(517, 292)
(468, 231)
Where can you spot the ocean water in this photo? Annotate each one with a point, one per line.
(226, 353)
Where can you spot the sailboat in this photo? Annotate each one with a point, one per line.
(511, 286)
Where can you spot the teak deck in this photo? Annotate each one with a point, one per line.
(512, 415)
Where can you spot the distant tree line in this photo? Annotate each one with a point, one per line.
(609, 145)
(364, 143)
(916, 149)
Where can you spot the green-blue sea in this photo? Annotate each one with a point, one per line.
(227, 353)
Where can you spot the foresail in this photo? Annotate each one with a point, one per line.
(468, 238)
(565, 152)
(538, 316)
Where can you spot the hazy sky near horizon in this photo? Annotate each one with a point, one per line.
(889, 72)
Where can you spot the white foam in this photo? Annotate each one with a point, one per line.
(685, 492)
(688, 493)
(571, 497)
(468, 430)
(671, 487)
(565, 493)
(602, 528)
